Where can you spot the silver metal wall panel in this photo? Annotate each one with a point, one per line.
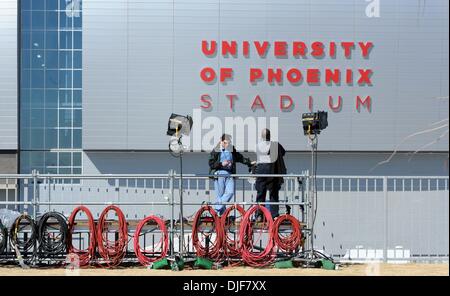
(8, 75)
(141, 61)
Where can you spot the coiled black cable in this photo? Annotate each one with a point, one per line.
(3, 238)
(29, 240)
(53, 234)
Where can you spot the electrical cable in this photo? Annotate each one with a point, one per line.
(29, 237)
(84, 256)
(163, 244)
(52, 234)
(287, 243)
(246, 235)
(207, 247)
(3, 238)
(231, 243)
(112, 251)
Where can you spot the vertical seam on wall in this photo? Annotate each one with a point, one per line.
(19, 70)
(128, 60)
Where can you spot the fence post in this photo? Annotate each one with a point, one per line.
(172, 212)
(34, 173)
(386, 209)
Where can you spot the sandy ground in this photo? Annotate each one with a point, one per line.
(344, 270)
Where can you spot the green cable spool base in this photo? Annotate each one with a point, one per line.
(161, 264)
(284, 264)
(203, 263)
(328, 265)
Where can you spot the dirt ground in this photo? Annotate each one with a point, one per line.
(343, 270)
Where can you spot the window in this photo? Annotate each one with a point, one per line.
(65, 118)
(38, 19)
(51, 20)
(51, 39)
(65, 138)
(65, 159)
(51, 119)
(37, 40)
(65, 59)
(51, 78)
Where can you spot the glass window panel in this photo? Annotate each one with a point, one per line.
(65, 59)
(25, 138)
(51, 78)
(25, 95)
(77, 98)
(37, 118)
(77, 40)
(25, 115)
(25, 79)
(65, 118)
(77, 138)
(51, 118)
(24, 159)
(37, 40)
(65, 22)
(51, 4)
(25, 39)
(26, 20)
(65, 159)
(37, 20)
(26, 59)
(77, 21)
(52, 20)
(51, 39)
(65, 98)
(65, 39)
(37, 159)
(77, 80)
(76, 171)
(37, 78)
(51, 171)
(25, 5)
(77, 60)
(51, 59)
(38, 59)
(76, 159)
(65, 138)
(65, 171)
(77, 118)
(51, 139)
(37, 139)
(37, 98)
(38, 5)
(51, 98)
(65, 79)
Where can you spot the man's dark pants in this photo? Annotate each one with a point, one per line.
(267, 183)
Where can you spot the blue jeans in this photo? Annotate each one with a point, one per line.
(224, 187)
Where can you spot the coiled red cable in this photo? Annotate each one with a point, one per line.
(249, 254)
(230, 243)
(287, 243)
(112, 251)
(85, 256)
(211, 249)
(142, 255)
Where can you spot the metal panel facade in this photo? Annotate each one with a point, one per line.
(142, 60)
(8, 74)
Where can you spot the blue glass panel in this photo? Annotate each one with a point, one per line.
(65, 59)
(25, 79)
(51, 20)
(25, 39)
(26, 59)
(37, 159)
(77, 118)
(65, 159)
(65, 40)
(76, 158)
(77, 21)
(77, 81)
(37, 98)
(51, 98)
(26, 20)
(65, 22)
(38, 5)
(51, 4)
(24, 138)
(51, 78)
(37, 139)
(77, 60)
(76, 171)
(51, 139)
(51, 40)
(65, 138)
(37, 59)
(37, 40)
(77, 138)
(51, 118)
(65, 79)
(77, 40)
(77, 98)
(51, 59)
(37, 118)
(25, 115)
(25, 5)
(38, 20)
(51, 158)
(37, 78)
(51, 171)
(65, 118)
(65, 98)
(25, 95)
